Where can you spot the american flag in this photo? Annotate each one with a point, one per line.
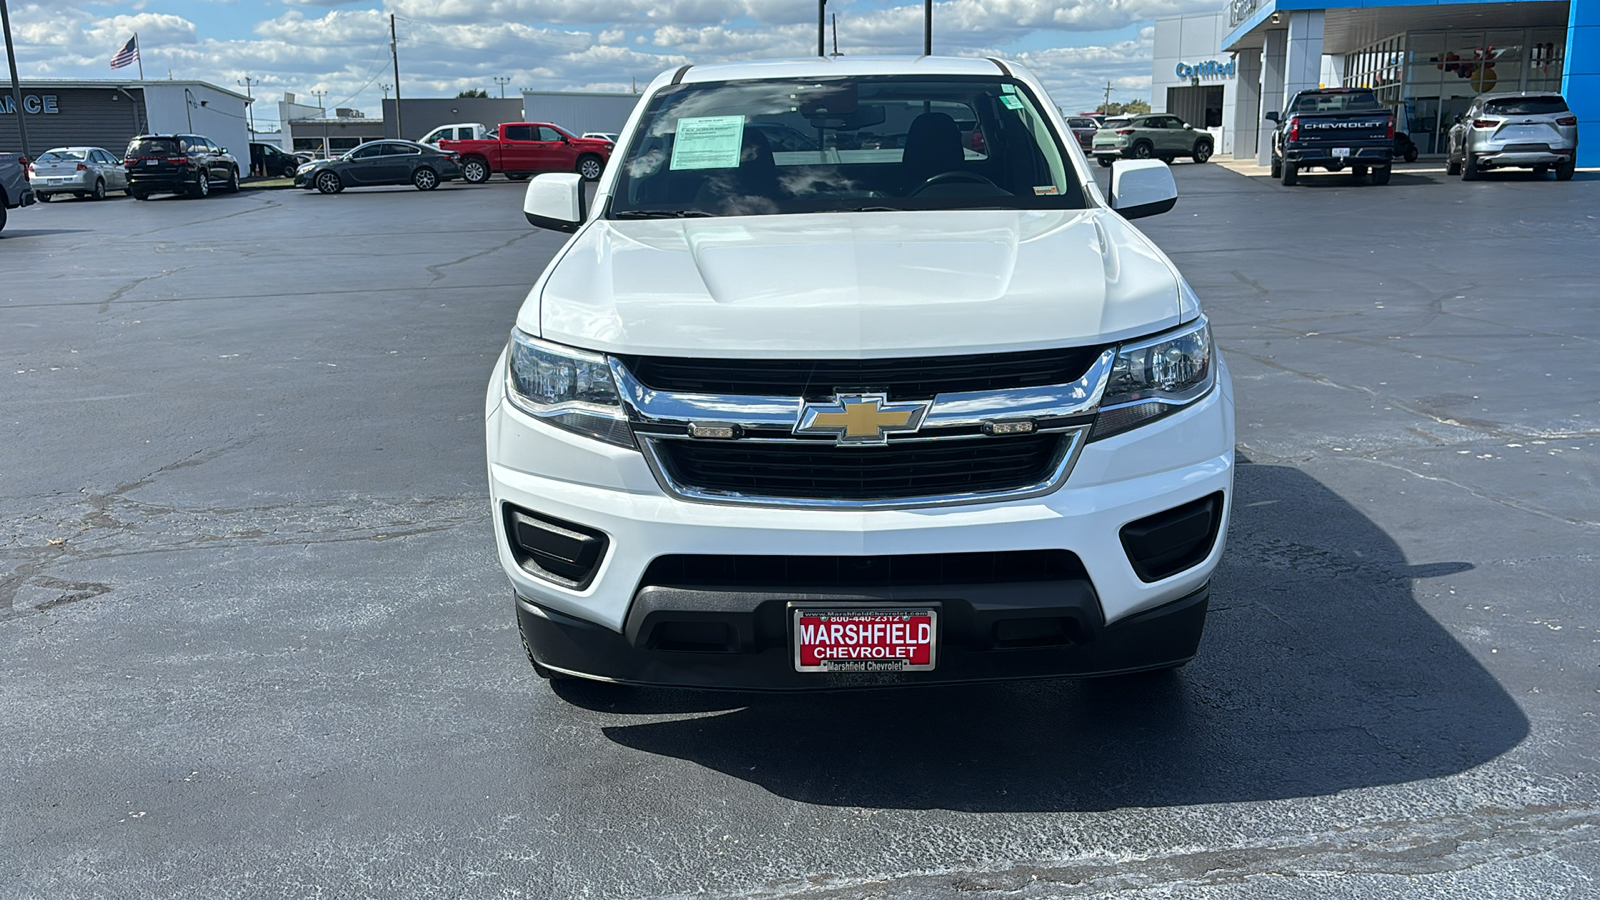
(127, 55)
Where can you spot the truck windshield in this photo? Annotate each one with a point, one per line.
(1351, 101)
(867, 143)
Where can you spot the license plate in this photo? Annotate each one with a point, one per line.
(152, 162)
(1340, 152)
(865, 640)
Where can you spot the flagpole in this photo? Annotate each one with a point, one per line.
(139, 57)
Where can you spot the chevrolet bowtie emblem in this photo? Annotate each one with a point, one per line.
(860, 418)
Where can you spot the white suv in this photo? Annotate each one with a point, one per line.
(902, 406)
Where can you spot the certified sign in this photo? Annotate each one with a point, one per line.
(879, 640)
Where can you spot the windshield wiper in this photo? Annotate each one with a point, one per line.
(662, 214)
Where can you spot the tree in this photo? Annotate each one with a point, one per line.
(485, 94)
(1131, 108)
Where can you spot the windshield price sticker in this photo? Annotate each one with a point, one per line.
(1010, 101)
(864, 641)
(708, 142)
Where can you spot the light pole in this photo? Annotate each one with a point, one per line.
(322, 113)
(502, 82)
(250, 107)
(16, 86)
(927, 27)
(822, 26)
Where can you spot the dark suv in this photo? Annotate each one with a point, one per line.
(178, 164)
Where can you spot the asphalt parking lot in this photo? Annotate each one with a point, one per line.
(254, 641)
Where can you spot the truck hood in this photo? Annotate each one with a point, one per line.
(848, 285)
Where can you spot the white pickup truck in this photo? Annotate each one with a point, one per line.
(910, 401)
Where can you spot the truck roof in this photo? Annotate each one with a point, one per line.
(820, 66)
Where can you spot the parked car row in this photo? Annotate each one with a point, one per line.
(1335, 128)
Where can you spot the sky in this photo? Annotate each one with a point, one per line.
(341, 47)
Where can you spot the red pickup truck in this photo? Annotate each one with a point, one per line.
(524, 148)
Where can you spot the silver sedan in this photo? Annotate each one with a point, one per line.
(80, 171)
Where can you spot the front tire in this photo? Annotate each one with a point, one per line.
(329, 183)
(1202, 152)
(425, 179)
(474, 171)
(1290, 174)
(43, 198)
(1106, 161)
(590, 167)
(1276, 167)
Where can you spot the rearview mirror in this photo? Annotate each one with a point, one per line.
(1142, 188)
(1272, 116)
(557, 201)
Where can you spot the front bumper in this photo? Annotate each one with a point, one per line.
(1151, 469)
(968, 650)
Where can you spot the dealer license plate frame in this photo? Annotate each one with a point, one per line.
(910, 612)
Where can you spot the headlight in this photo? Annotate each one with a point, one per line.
(1156, 377)
(567, 388)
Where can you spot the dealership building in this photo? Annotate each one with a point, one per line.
(107, 113)
(1427, 61)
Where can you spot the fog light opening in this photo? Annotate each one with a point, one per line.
(555, 550)
(1169, 542)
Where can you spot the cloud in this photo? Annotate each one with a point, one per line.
(341, 46)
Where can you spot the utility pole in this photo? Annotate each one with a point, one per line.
(822, 27)
(251, 106)
(16, 86)
(394, 51)
(1106, 107)
(324, 117)
(927, 27)
(502, 82)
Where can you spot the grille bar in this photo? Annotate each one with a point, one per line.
(919, 377)
(845, 474)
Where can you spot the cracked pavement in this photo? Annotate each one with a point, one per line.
(254, 641)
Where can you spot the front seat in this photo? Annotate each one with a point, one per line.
(753, 187)
(933, 147)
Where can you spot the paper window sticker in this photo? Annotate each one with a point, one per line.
(1008, 89)
(1010, 101)
(1045, 190)
(708, 142)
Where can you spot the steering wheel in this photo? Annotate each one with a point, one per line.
(950, 178)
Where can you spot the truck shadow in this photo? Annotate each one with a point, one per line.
(1319, 673)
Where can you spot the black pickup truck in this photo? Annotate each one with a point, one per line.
(1331, 129)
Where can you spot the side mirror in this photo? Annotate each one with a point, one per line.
(1142, 188)
(557, 201)
(224, 149)
(1271, 116)
(1188, 127)
(1458, 120)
